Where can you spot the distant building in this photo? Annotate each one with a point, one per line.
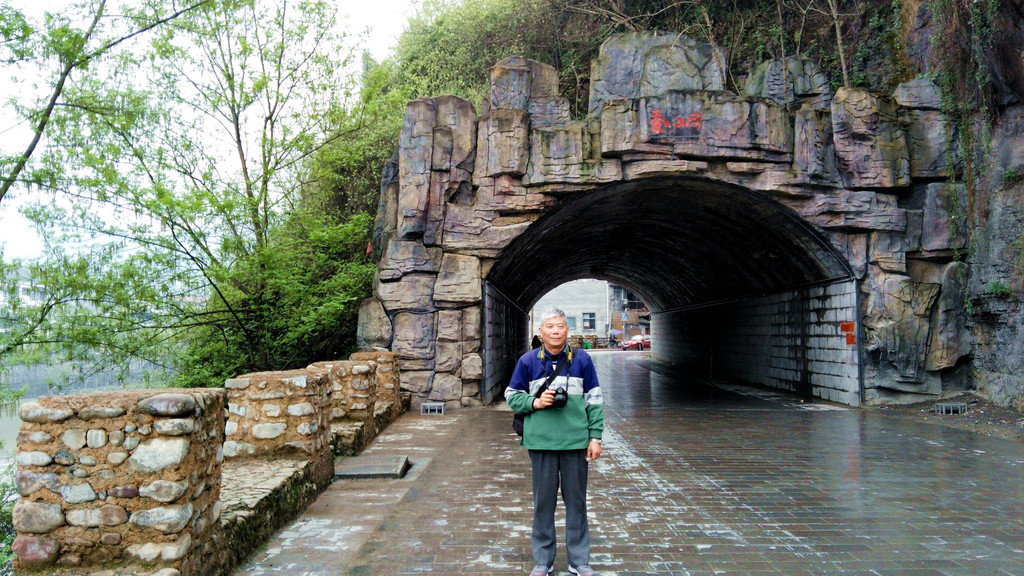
(595, 307)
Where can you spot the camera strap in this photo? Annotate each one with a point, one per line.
(558, 368)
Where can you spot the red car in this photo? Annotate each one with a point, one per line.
(638, 342)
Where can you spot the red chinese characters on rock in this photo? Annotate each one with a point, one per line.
(659, 124)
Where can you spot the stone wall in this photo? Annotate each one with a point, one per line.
(131, 482)
(387, 388)
(866, 172)
(118, 477)
(271, 412)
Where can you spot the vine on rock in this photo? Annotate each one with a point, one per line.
(963, 42)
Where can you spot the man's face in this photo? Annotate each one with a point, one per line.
(553, 332)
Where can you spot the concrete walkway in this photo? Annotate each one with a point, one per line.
(695, 480)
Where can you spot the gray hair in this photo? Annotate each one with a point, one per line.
(551, 313)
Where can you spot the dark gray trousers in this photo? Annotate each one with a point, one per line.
(568, 468)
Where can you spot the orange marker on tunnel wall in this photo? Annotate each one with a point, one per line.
(849, 329)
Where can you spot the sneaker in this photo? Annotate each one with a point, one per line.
(539, 570)
(582, 570)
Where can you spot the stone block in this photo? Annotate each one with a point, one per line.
(635, 65)
(951, 335)
(413, 292)
(449, 356)
(158, 454)
(170, 404)
(814, 154)
(919, 93)
(792, 82)
(35, 551)
(414, 336)
(557, 156)
(449, 325)
(73, 438)
(417, 381)
(414, 161)
(502, 144)
(661, 168)
(889, 251)
(472, 367)
(458, 282)
(622, 133)
(446, 387)
(164, 491)
(870, 143)
(943, 219)
(897, 324)
(374, 330)
(718, 125)
(35, 413)
(402, 257)
(36, 517)
(512, 83)
(855, 210)
(927, 145)
(472, 329)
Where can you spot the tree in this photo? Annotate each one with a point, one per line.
(188, 161)
(63, 49)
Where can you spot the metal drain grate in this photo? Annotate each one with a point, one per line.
(950, 407)
(432, 408)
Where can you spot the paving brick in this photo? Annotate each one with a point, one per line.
(695, 480)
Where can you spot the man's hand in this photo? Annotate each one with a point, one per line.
(545, 400)
(593, 450)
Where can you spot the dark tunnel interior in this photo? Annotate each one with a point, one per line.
(685, 246)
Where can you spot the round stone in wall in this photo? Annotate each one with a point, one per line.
(37, 517)
(159, 453)
(35, 550)
(171, 404)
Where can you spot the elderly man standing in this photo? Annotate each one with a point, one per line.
(562, 431)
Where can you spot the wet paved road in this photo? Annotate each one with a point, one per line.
(695, 480)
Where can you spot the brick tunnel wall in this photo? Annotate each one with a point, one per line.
(506, 337)
(803, 341)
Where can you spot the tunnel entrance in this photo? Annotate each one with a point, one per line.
(738, 285)
(771, 232)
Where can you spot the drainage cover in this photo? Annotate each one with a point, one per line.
(950, 407)
(371, 466)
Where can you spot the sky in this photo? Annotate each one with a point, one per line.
(385, 19)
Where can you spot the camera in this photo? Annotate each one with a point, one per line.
(560, 399)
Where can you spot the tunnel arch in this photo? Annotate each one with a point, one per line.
(691, 241)
(710, 259)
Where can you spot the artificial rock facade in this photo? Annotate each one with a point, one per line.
(868, 173)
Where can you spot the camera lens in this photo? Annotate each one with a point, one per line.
(560, 399)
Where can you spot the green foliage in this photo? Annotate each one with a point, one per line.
(185, 246)
(344, 175)
(316, 275)
(1000, 289)
(1013, 176)
(8, 498)
(450, 47)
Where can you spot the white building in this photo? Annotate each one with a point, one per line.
(585, 303)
